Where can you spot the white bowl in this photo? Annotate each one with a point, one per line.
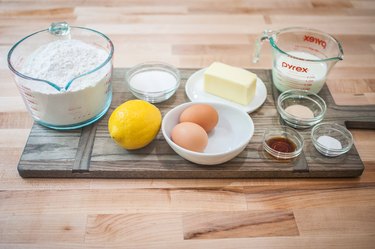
(228, 139)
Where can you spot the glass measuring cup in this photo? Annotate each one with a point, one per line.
(302, 57)
(74, 102)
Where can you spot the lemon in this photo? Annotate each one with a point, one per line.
(134, 124)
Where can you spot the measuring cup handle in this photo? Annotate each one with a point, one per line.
(259, 42)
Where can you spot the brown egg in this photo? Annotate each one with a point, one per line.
(202, 114)
(190, 136)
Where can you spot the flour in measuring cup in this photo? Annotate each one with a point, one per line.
(63, 60)
(59, 62)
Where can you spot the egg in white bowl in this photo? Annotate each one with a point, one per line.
(229, 138)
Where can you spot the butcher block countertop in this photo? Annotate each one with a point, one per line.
(190, 213)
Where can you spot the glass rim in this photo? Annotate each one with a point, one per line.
(343, 130)
(287, 130)
(69, 83)
(153, 65)
(304, 94)
(291, 29)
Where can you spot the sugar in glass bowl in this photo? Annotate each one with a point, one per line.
(153, 81)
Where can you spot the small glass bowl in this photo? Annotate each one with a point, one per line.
(283, 132)
(334, 132)
(153, 81)
(304, 98)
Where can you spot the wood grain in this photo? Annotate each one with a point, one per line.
(43, 228)
(111, 228)
(141, 213)
(239, 225)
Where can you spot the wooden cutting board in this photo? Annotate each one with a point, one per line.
(90, 152)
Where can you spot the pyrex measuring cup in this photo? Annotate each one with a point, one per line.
(76, 101)
(302, 58)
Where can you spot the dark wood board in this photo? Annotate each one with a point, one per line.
(90, 153)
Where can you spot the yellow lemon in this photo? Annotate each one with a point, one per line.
(134, 124)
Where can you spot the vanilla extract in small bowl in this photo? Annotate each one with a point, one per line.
(282, 142)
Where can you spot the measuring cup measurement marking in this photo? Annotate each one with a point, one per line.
(295, 83)
(313, 50)
(296, 75)
(27, 95)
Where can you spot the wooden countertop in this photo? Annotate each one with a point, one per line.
(259, 213)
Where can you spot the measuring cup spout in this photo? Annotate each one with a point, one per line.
(340, 55)
(259, 42)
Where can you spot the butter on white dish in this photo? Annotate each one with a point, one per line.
(196, 93)
(231, 83)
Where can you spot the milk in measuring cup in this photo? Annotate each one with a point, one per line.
(289, 73)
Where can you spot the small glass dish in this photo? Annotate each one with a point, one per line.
(300, 108)
(331, 139)
(283, 142)
(153, 81)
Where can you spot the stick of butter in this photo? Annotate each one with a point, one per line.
(231, 83)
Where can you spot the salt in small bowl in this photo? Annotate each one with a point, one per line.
(331, 139)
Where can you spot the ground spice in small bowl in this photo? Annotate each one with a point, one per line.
(299, 111)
